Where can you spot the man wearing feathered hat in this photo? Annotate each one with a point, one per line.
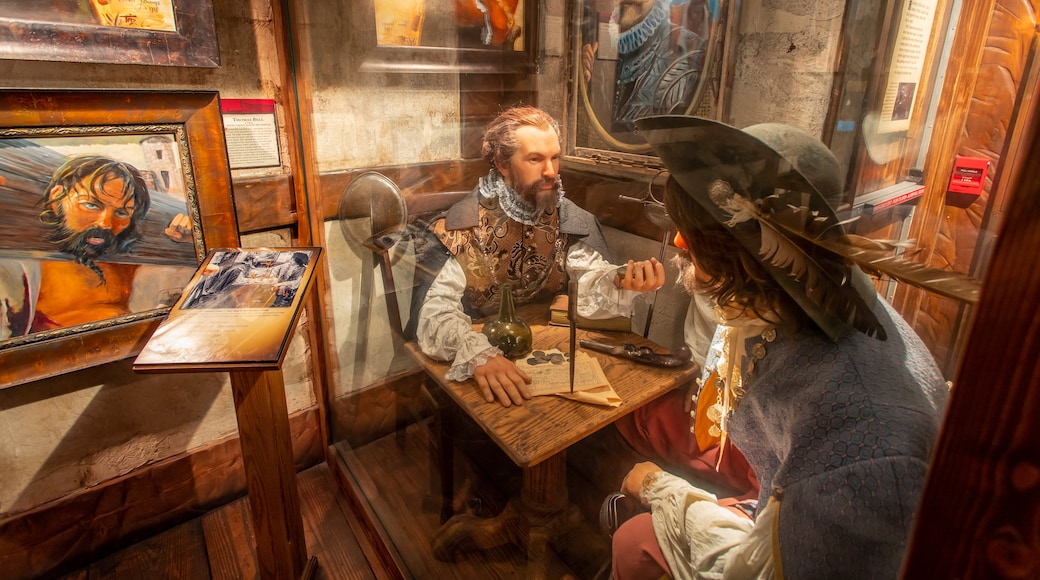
(827, 392)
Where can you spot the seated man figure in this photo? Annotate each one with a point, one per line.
(515, 227)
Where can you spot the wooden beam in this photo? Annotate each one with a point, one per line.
(263, 426)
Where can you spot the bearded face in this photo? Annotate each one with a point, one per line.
(543, 192)
(632, 12)
(92, 222)
(85, 245)
(534, 169)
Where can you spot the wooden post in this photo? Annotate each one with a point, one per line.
(263, 425)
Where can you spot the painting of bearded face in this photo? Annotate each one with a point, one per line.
(102, 227)
(94, 205)
(96, 228)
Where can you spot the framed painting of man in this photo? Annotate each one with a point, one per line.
(108, 205)
(640, 58)
(153, 32)
(450, 23)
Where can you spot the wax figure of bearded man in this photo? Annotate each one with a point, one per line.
(516, 226)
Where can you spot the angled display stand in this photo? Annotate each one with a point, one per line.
(237, 314)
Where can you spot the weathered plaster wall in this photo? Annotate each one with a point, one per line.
(372, 119)
(784, 60)
(78, 430)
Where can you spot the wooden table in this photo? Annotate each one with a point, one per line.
(536, 435)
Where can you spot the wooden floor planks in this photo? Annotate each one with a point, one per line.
(230, 542)
(400, 492)
(329, 534)
(220, 544)
(177, 553)
(394, 474)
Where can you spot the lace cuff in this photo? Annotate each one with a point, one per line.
(463, 370)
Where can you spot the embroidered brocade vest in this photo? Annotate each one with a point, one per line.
(500, 249)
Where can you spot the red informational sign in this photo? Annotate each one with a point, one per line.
(969, 175)
(245, 106)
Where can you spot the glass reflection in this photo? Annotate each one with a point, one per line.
(642, 58)
(386, 415)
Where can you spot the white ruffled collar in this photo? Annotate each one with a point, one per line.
(493, 185)
(631, 39)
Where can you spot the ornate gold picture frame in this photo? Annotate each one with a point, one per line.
(159, 32)
(99, 240)
(638, 59)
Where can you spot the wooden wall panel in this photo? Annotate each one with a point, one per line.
(264, 203)
(600, 194)
(77, 529)
(267, 203)
(978, 124)
(421, 178)
(981, 507)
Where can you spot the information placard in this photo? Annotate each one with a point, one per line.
(238, 312)
(907, 66)
(250, 132)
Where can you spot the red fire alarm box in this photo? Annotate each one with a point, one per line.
(969, 175)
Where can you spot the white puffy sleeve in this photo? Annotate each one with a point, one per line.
(701, 539)
(445, 332)
(598, 297)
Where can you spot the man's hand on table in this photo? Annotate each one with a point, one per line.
(500, 378)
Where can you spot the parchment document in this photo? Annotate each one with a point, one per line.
(550, 375)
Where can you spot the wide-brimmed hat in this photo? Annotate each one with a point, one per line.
(772, 186)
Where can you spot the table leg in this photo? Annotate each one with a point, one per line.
(545, 486)
(267, 456)
(540, 516)
(446, 459)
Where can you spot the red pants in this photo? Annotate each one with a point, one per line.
(635, 553)
(661, 429)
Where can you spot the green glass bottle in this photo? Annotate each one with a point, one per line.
(510, 333)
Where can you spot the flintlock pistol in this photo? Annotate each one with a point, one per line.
(641, 354)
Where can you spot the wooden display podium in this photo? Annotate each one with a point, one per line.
(237, 315)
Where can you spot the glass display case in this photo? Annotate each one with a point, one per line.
(923, 117)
